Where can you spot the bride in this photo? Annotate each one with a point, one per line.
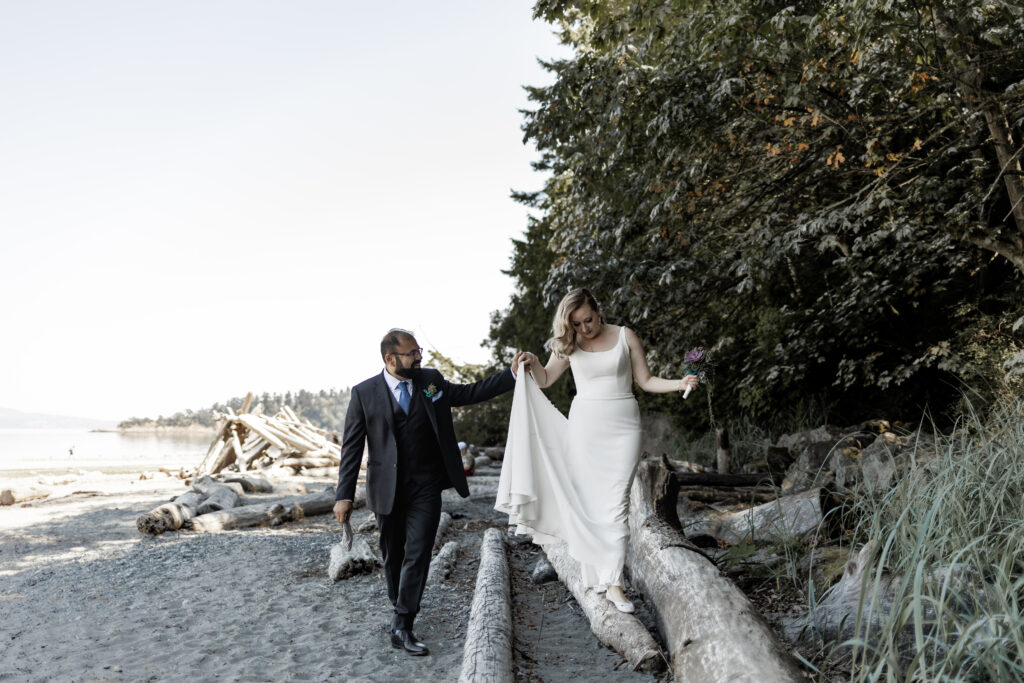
(568, 479)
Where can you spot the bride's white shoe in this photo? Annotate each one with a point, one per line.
(625, 606)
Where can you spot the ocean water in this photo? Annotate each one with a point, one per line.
(58, 451)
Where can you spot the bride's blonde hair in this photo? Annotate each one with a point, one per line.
(563, 336)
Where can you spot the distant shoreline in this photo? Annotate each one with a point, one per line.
(156, 429)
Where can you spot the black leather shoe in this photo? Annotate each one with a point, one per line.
(403, 638)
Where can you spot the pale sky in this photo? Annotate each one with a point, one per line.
(204, 198)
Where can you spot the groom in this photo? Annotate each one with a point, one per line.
(405, 416)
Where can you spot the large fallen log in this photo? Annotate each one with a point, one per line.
(266, 514)
(786, 518)
(622, 632)
(711, 630)
(487, 655)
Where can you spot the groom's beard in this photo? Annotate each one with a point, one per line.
(411, 372)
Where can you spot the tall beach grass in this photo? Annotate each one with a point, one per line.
(950, 538)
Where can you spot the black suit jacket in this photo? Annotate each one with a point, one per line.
(370, 419)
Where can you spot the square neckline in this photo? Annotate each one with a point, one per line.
(622, 330)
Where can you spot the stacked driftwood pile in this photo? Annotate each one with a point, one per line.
(251, 440)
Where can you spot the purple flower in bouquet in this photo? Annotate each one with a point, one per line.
(698, 362)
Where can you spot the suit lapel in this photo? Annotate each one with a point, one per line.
(384, 396)
(428, 407)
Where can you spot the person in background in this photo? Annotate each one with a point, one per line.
(468, 461)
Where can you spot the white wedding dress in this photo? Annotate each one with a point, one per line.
(568, 479)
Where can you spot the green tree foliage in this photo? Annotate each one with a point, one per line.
(825, 193)
(325, 408)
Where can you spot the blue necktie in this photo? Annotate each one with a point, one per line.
(403, 396)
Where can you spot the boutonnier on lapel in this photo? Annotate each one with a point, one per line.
(432, 393)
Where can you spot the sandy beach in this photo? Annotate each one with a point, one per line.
(86, 597)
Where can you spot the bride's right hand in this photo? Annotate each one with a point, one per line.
(525, 360)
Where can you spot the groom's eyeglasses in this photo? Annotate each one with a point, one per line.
(413, 353)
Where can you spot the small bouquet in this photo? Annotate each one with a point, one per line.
(698, 362)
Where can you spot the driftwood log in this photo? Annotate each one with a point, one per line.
(12, 496)
(487, 655)
(345, 562)
(266, 514)
(170, 516)
(248, 440)
(731, 496)
(249, 483)
(443, 525)
(712, 631)
(443, 563)
(216, 495)
(787, 517)
(622, 632)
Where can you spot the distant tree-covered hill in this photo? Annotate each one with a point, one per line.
(324, 408)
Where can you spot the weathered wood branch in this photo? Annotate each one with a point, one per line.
(712, 631)
(487, 656)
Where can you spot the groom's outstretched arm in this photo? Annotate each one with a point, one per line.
(485, 389)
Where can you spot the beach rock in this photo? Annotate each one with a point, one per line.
(543, 572)
(482, 461)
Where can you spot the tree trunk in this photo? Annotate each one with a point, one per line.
(724, 455)
(622, 632)
(487, 656)
(712, 631)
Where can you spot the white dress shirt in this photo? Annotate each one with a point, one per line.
(393, 383)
